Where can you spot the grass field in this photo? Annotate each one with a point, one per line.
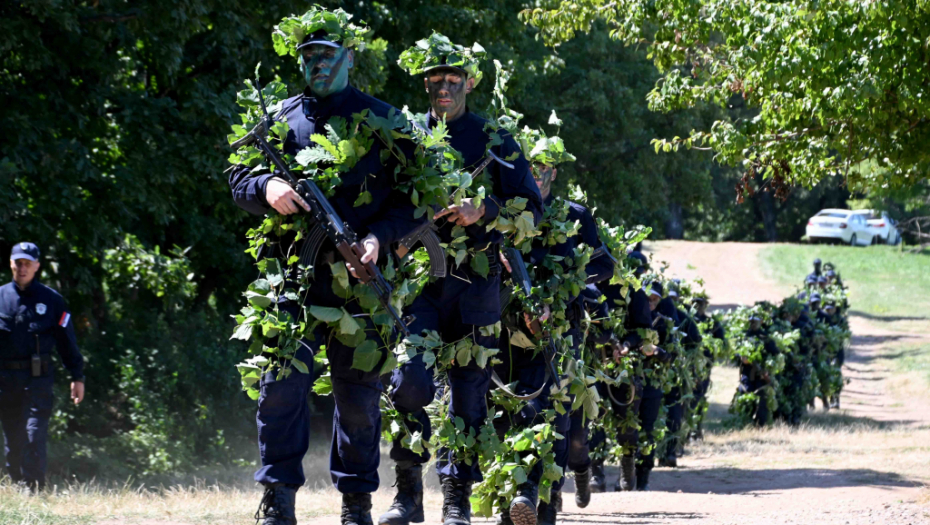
(886, 285)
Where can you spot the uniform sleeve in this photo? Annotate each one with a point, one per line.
(601, 268)
(691, 330)
(248, 189)
(638, 316)
(66, 343)
(514, 182)
(770, 347)
(398, 221)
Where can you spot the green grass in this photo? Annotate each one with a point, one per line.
(915, 359)
(885, 284)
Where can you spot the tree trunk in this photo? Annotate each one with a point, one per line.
(766, 205)
(675, 224)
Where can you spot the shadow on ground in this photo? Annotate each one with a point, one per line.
(887, 318)
(629, 518)
(730, 480)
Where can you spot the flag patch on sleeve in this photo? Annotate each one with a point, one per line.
(65, 317)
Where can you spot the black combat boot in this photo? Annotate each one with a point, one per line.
(523, 504)
(504, 517)
(642, 478)
(583, 488)
(356, 509)
(277, 506)
(456, 507)
(408, 503)
(627, 481)
(598, 482)
(671, 458)
(547, 513)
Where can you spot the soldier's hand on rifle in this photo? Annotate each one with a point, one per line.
(649, 349)
(534, 324)
(506, 263)
(282, 197)
(620, 351)
(372, 246)
(464, 214)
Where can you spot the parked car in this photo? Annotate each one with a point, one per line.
(839, 225)
(884, 227)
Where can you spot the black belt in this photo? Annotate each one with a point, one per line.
(25, 364)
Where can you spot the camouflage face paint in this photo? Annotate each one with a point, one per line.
(544, 176)
(326, 69)
(447, 89)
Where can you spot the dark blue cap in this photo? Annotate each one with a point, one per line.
(25, 250)
(320, 36)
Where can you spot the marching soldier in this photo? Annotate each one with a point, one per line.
(325, 57)
(461, 304)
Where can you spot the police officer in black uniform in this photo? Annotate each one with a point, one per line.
(33, 320)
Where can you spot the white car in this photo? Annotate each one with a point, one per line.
(839, 225)
(884, 227)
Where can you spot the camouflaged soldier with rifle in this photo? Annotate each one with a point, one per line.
(323, 44)
(571, 452)
(461, 304)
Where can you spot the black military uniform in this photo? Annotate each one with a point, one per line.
(283, 415)
(33, 321)
(459, 305)
(751, 378)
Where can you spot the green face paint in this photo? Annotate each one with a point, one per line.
(543, 175)
(326, 69)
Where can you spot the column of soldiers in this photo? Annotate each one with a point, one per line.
(494, 353)
(791, 354)
(664, 339)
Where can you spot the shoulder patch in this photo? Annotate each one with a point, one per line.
(65, 317)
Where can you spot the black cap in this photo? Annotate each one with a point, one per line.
(25, 250)
(318, 37)
(443, 65)
(657, 286)
(643, 262)
(817, 261)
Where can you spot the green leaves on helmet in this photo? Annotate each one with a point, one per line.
(438, 50)
(292, 30)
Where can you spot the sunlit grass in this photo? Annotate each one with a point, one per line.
(885, 284)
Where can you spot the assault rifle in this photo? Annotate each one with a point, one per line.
(340, 233)
(521, 278)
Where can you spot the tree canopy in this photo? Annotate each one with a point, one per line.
(832, 83)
